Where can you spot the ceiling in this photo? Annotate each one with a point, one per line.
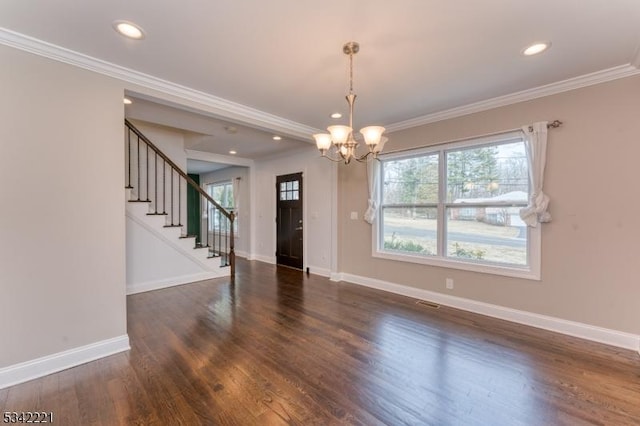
(283, 58)
(205, 133)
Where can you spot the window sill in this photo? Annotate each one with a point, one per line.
(507, 271)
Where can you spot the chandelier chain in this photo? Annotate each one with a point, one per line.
(350, 73)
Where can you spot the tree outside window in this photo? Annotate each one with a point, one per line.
(457, 203)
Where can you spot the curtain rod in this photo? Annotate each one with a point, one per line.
(552, 125)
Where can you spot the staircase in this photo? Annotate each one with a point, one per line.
(156, 206)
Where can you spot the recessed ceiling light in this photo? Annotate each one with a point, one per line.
(336, 115)
(536, 48)
(128, 29)
(232, 152)
(127, 101)
(277, 138)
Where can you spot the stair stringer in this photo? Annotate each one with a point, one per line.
(203, 266)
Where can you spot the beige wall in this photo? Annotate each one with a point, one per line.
(318, 182)
(591, 250)
(62, 238)
(62, 263)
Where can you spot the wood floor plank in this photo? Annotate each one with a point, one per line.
(276, 346)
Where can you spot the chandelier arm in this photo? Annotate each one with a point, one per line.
(365, 157)
(335, 160)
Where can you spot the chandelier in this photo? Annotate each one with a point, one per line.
(341, 138)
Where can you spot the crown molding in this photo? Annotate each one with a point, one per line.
(242, 114)
(218, 158)
(220, 107)
(525, 95)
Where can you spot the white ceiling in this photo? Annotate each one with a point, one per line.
(199, 167)
(284, 58)
(205, 133)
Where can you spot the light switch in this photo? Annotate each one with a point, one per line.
(354, 215)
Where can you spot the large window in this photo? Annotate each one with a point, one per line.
(457, 205)
(222, 193)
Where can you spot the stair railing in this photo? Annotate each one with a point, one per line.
(154, 178)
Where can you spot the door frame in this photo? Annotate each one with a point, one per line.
(305, 221)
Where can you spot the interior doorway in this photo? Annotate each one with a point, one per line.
(289, 226)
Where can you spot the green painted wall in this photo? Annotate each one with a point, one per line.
(193, 209)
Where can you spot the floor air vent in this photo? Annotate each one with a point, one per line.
(427, 304)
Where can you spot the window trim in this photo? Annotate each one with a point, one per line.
(534, 237)
(212, 227)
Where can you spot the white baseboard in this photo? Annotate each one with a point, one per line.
(242, 253)
(266, 259)
(584, 331)
(336, 276)
(171, 282)
(323, 272)
(25, 371)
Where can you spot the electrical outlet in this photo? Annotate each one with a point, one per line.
(450, 283)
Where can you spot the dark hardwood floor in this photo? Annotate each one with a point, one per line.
(279, 347)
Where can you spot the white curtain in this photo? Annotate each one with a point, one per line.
(236, 196)
(373, 170)
(205, 214)
(536, 146)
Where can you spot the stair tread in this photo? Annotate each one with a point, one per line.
(173, 238)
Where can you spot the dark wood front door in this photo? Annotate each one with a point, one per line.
(289, 220)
